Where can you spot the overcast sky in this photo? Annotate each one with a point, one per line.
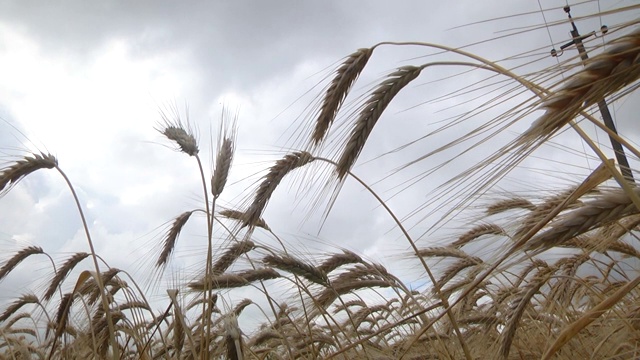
(86, 80)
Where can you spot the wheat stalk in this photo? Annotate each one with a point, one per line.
(370, 112)
(337, 91)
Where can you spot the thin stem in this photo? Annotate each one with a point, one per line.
(443, 299)
(98, 277)
(208, 293)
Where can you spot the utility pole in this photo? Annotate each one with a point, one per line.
(602, 104)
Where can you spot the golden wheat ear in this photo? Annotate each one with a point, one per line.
(337, 91)
(271, 181)
(62, 273)
(12, 174)
(16, 305)
(18, 258)
(370, 112)
(223, 165)
(171, 237)
(606, 73)
(176, 131)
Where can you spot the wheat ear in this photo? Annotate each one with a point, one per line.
(371, 112)
(346, 75)
(604, 74)
(240, 216)
(176, 131)
(169, 241)
(16, 305)
(337, 260)
(231, 255)
(270, 182)
(509, 204)
(18, 258)
(62, 273)
(608, 207)
(476, 232)
(223, 164)
(12, 174)
(297, 267)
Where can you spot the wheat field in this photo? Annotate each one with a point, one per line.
(541, 272)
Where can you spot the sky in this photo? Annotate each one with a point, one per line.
(86, 81)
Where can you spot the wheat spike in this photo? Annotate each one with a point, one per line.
(176, 131)
(346, 75)
(337, 260)
(62, 273)
(476, 232)
(223, 164)
(240, 216)
(607, 207)
(297, 267)
(231, 255)
(18, 258)
(270, 182)
(12, 174)
(509, 204)
(603, 75)
(519, 307)
(63, 312)
(16, 305)
(371, 112)
(170, 238)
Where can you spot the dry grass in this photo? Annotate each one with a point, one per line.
(551, 275)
